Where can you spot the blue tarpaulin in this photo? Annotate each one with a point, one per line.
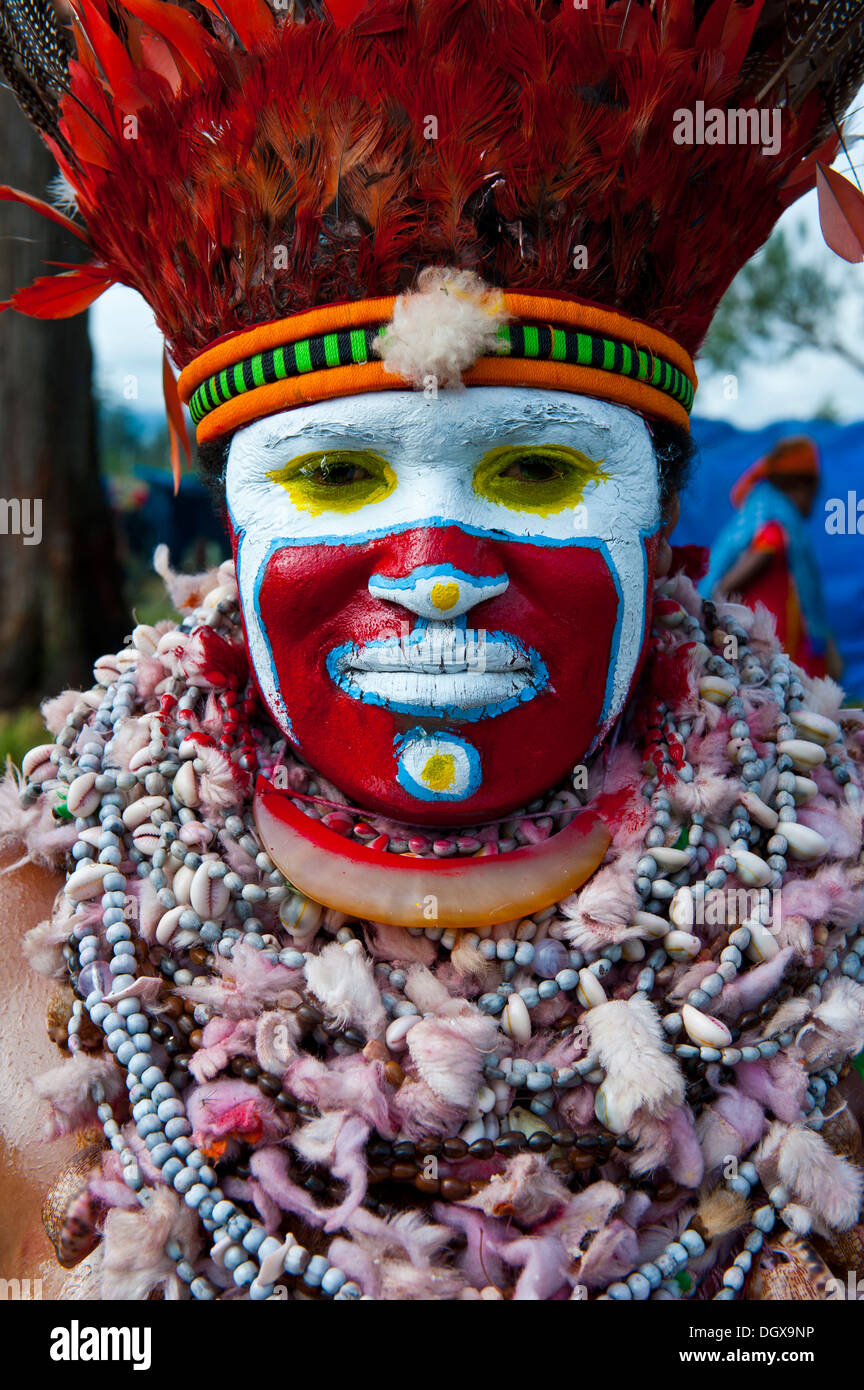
(725, 452)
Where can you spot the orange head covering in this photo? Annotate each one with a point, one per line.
(796, 457)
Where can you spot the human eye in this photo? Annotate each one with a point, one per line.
(544, 479)
(335, 479)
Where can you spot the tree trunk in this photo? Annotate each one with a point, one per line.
(61, 597)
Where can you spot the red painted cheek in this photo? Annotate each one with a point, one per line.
(561, 602)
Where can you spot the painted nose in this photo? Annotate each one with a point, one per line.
(438, 593)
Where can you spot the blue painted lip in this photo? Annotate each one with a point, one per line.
(341, 675)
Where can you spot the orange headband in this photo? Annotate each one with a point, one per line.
(555, 344)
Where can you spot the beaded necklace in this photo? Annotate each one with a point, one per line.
(141, 820)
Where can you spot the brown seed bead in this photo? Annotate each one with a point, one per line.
(186, 1024)
(481, 1148)
(198, 954)
(589, 1141)
(404, 1148)
(378, 1172)
(196, 1039)
(666, 1191)
(429, 1146)
(564, 1138)
(581, 1162)
(455, 1148)
(454, 1190)
(378, 1148)
(285, 1101)
(375, 1051)
(307, 1014)
(237, 1064)
(431, 1186)
(250, 1071)
(173, 1007)
(512, 1142)
(307, 1110)
(394, 1074)
(268, 1083)
(540, 1141)
(404, 1172)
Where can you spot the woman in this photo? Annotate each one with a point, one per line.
(765, 555)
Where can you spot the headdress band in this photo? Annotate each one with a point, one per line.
(553, 344)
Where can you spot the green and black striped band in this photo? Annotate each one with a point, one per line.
(536, 342)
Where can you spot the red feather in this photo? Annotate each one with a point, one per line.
(251, 20)
(177, 432)
(14, 195)
(61, 296)
(180, 31)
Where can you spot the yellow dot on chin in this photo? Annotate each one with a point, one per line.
(439, 774)
(444, 596)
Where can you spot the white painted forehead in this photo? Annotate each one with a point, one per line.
(474, 415)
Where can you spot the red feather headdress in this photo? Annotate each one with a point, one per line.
(238, 164)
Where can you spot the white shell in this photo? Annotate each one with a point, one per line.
(609, 1114)
(106, 669)
(672, 619)
(143, 758)
(667, 857)
(704, 1030)
(516, 1019)
(805, 789)
(590, 992)
(398, 1031)
(815, 726)
(763, 943)
(650, 924)
(142, 809)
(632, 949)
(682, 909)
(803, 752)
(36, 758)
(473, 1131)
(803, 842)
(682, 945)
(86, 882)
(716, 689)
(81, 799)
(759, 811)
(208, 896)
(146, 838)
(218, 595)
(186, 785)
(751, 870)
(181, 884)
(299, 915)
(145, 639)
(169, 923)
(852, 794)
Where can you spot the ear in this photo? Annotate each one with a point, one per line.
(663, 562)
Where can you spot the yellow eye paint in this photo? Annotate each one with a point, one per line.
(335, 480)
(547, 479)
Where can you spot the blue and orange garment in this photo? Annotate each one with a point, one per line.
(768, 521)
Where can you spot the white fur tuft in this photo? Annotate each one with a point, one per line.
(343, 981)
(626, 1035)
(441, 329)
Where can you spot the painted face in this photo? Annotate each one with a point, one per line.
(445, 599)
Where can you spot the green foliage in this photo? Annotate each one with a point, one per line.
(778, 304)
(20, 730)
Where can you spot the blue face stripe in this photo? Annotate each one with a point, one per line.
(385, 581)
(414, 788)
